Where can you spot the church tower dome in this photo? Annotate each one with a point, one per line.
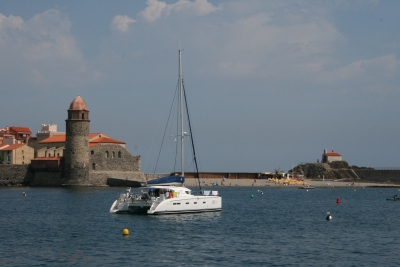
(76, 156)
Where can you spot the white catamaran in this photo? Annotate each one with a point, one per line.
(168, 195)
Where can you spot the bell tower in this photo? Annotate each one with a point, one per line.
(76, 156)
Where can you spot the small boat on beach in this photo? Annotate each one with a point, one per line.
(307, 186)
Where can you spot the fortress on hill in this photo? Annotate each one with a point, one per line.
(75, 158)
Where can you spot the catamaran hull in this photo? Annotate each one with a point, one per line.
(125, 207)
(186, 205)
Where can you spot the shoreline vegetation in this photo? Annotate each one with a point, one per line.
(285, 183)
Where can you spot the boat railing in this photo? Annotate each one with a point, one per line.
(209, 193)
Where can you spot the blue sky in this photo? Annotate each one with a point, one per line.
(270, 83)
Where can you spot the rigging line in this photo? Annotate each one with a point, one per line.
(152, 142)
(165, 130)
(191, 135)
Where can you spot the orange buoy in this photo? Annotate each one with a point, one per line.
(338, 200)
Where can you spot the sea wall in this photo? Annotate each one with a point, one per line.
(47, 178)
(379, 176)
(99, 178)
(15, 174)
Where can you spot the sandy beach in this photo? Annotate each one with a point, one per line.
(265, 182)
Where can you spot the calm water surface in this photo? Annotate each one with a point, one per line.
(281, 227)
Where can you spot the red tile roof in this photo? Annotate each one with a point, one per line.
(54, 139)
(47, 158)
(11, 147)
(61, 139)
(333, 154)
(106, 140)
(18, 129)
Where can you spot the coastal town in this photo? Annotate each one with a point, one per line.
(78, 157)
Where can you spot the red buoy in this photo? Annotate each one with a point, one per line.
(338, 200)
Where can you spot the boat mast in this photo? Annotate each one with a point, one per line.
(181, 110)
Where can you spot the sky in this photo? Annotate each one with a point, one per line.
(270, 84)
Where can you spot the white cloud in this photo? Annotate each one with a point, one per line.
(10, 22)
(156, 9)
(121, 23)
(381, 67)
(42, 51)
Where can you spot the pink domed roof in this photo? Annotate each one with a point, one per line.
(78, 104)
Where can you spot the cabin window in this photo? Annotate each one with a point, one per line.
(93, 166)
(195, 202)
(119, 154)
(187, 202)
(204, 202)
(106, 154)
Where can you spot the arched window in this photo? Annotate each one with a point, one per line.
(93, 166)
(106, 154)
(119, 154)
(92, 152)
(83, 116)
(113, 155)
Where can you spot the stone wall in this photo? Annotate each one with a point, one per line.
(47, 178)
(109, 157)
(13, 175)
(379, 176)
(113, 161)
(99, 178)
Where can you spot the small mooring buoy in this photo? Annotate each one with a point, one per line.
(252, 196)
(338, 200)
(125, 232)
(328, 216)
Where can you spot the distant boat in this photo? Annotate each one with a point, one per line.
(394, 198)
(307, 186)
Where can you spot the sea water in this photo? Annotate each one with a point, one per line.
(258, 226)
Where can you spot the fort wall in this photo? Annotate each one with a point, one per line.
(14, 175)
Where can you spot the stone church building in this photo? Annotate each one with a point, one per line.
(79, 157)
